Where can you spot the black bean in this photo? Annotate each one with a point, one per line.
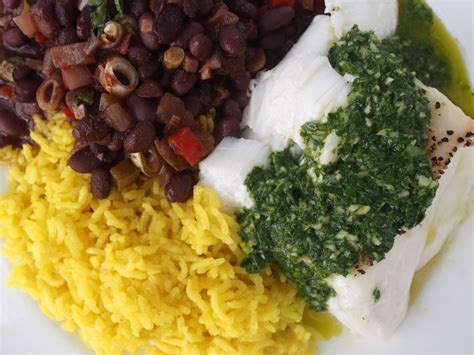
(84, 24)
(272, 40)
(11, 4)
(101, 183)
(205, 96)
(231, 65)
(26, 110)
(231, 108)
(193, 103)
(180, 186)
(285, 47)
(13, 37)
(104, 154)
(157, 6)
(25, 89)
(244, 8)
(290, 30)
(140, 137)
(138, 54)
(249, 29)
(28, 50)
(166, 79)
(84, 161)
(183, 82)
(145, 25)
(67, 36)
(117, 142)
(257, 61)
(168, 24)
(232, 41)
(200, 46)
(227, 127)
(241, 80)
(136, 7)
(11, 125)
(204, 7)
(90, 129)
(190, 8)
(21, 72)
(190, 30)
(66, 12)
(42, 16)
(6, 141)
(242, 98)
(275, 18)
(106, 140)
(147, 70)
(142, 109)
(149, 89)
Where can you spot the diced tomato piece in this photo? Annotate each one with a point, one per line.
(40, 38)
(187, 145)
(6, 92)
(69, 113)
(76, 77)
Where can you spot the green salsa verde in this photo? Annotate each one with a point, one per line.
(429, 49)
(316, 220)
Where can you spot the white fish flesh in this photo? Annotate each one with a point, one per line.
(380, 16)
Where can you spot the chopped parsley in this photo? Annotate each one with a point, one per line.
(376, 294)
(86, 98)
(416, 10)
(100, 15)
(314, 220)
(414, 44)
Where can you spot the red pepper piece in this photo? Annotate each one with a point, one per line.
(125, 44)
(187, 145)
(76, 77)
(6, 92)
(278, 3)
(69, 113)
(40, 38)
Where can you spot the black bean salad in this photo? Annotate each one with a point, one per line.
(149, 86)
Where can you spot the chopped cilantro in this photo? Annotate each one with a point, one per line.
(414, 44)
(316, 220)
(86, 98)
(376, 294)
(417, 10)
(100, 15)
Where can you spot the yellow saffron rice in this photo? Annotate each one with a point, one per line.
(135, 272)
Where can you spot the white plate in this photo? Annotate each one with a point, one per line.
(439, 321)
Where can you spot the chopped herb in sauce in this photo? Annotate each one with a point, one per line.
(376, 294)
(428, 49)
(417, 52)
(315, 220)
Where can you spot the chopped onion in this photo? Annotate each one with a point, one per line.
(25, 22)
(118, 76)
(72, 54)
(77, 77)
(124, 174)
(112, 35)
(117, 117)
(105, 101)
(169, 156)
(50, 94)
